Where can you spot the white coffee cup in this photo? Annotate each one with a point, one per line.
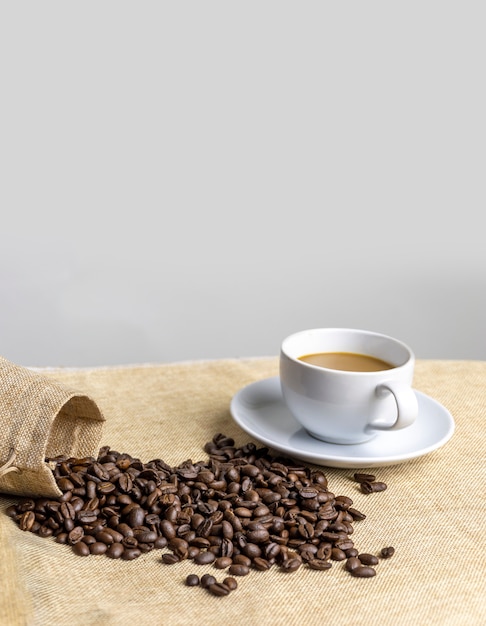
(347, 407)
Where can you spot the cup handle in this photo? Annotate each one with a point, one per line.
(407, 405)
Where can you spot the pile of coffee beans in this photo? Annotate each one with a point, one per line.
(241, 509)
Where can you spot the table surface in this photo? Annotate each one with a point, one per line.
(433, 513)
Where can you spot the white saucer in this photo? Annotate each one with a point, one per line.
(260, 411)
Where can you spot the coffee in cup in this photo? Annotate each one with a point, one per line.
(346, 385)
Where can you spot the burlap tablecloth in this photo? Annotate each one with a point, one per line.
(433, 513)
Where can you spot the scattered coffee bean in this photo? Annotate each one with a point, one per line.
(371, 487)
(230, 582)
(368, 559)
(207, 579)
(364, 478)
(219, 589)
(319, 564)
(192, 580)
(388, 552)
(362, 571)
(352, 563)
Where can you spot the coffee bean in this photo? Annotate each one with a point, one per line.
(368, 559)
(337, 554)
(362, 571)
(81, 549)
(207, 579)
(371, 487)
(352, 563)
(388, 552)
(241, 559)
(129, 554)
(223, 562)
(75, 535)
(319, 564)
(115, 551)
(261, 564)
(291, 565)
(98, 548)
(351, 552)
(364, 478)
(238, 569)
(261, 535)
(231, 583)
(219, 589)
(192, 580)
(205, 558)
(147, 536)
(27, 521)
(170, 559)
(355, 514)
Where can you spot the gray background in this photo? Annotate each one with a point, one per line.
(197, 180)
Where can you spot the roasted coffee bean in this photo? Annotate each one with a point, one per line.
(98, 548)
(136, 516)
(129, 542)
(170, 559)
(27, 520)
(192, 580)
(356, 515)
(260, 535)
(81, 549)
(291, 565)
(241, 559)
(388, 552)
(319, 564)
(371, 487)
(343, 502)
(160, 542)
(219, 589)
(364, 478)
(368, 559)
(261, 564)
(231, 583)
(238, 569)
(351, 553)
(65, 484)
(223, 562)
(75, 535)
(337, 554)
(205, 558)
(207, 579)
(352, 563)
(363, 571)
(105, 537)
(115, 550)
(251, 550)
(129, 554)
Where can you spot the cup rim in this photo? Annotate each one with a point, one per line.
(410, 357)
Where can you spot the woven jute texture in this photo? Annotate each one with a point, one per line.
(40, 417)
(433, 513)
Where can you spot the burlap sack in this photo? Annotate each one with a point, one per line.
(40, 418)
